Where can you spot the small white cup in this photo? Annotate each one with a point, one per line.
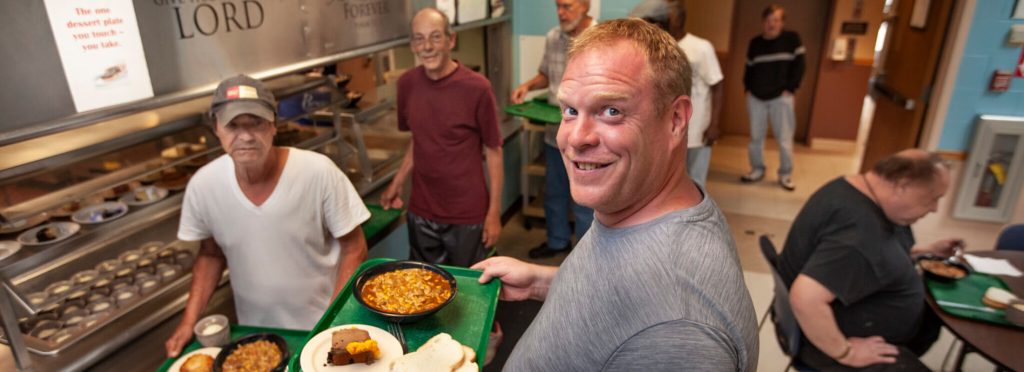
(213, 331)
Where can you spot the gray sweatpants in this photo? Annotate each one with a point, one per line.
(780, 111)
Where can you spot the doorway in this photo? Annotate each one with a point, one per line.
(809, 18)
(905, 74)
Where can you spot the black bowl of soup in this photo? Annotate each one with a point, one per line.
(941, 269)
(404, 291)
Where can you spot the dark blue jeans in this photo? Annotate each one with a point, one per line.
(558, 201)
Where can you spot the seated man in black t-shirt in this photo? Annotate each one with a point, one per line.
(848, 261)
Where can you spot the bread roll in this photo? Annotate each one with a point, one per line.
(997, 298)
(198, 363)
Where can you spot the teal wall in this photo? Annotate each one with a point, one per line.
(986, 51)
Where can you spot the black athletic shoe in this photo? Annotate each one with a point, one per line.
(542, 251)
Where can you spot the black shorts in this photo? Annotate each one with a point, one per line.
(443, 243)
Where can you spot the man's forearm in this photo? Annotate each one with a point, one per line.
(538, 82)
(496, 174)
(543, 276)
(818, 323)
(353, 254)
(717, 97)
(405, 168)
(206, 273)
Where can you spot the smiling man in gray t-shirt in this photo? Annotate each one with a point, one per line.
(656, 283)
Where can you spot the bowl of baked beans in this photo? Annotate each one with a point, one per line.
(258, 352)
(404, 291)
(941, 269)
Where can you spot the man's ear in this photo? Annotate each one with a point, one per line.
(681, 110)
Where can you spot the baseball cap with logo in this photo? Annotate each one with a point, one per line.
(242, 95)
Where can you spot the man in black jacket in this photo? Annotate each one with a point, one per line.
(775, 65)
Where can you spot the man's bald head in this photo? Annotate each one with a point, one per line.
(431, 14)
(913, 165)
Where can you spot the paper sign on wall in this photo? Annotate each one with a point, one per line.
(100, 50)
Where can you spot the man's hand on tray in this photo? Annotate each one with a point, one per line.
(520, 280)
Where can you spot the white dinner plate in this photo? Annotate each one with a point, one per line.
(94, 214)
(8, 248)
(153, 194)
(314, 354)
(211, 351)
(65, 230)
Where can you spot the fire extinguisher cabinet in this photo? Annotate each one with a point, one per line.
(993, 175)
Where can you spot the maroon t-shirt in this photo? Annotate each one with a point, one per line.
(451, 119)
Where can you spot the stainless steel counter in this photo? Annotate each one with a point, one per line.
(113, 348)
(117, 345)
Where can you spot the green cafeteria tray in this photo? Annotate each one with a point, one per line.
(292, 337)
(379, 220)
(969, 291)
(467, 319)
(536, 110)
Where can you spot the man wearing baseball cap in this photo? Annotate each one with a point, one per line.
(286, 221)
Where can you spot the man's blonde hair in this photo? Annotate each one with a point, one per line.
(667, 67)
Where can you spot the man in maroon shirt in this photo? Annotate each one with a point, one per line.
(450, 110)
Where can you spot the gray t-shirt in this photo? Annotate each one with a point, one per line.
(664, 295)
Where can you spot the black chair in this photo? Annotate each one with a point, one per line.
(787, 330)
(1011, 238)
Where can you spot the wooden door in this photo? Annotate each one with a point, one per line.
(903, 85)
(809, 18)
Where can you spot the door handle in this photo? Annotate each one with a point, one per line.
(879, 89)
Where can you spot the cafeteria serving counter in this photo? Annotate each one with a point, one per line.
(99, 269)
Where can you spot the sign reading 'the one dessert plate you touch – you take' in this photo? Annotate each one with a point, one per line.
(100, 50)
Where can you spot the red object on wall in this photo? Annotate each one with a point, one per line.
(1020, 65)
(1000, 81)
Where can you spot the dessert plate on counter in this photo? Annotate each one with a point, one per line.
(20, 225)
(8, 248)
(145, 195)
(68, 209)
(49, 233)
(314, 354)
(210, 351)
(100, 213)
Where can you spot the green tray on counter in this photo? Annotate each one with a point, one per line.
(969, 291)
(294, 339)
(467, 318)
(379, 220)
(536, 110)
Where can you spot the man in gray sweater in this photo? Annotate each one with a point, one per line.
(655, 284)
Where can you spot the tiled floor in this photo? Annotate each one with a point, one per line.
(765, 208)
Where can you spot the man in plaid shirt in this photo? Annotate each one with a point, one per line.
(572, 20)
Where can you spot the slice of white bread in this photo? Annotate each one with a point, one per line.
(467, 367)
(997, 298)
(440, 353)
(468, 355)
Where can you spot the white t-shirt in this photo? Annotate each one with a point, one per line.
(706, 72)
(282, 255)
